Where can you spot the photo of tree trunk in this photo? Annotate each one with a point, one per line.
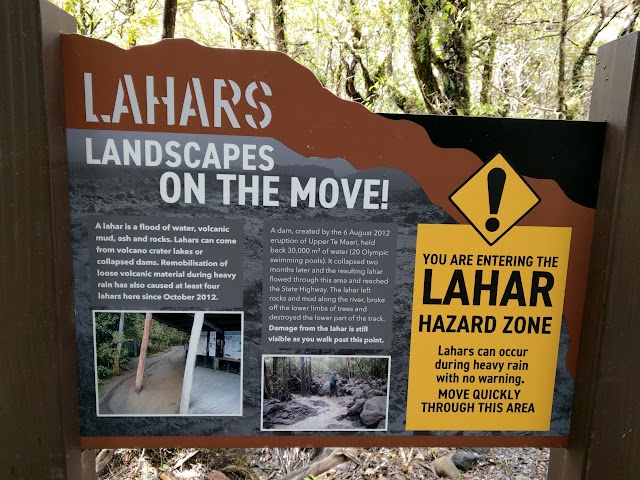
(168, 363)
(310, 393)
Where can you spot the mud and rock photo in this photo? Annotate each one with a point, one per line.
(311, 393)
(168, 363)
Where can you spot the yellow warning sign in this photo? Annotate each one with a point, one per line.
(486, 325)
(494, 199)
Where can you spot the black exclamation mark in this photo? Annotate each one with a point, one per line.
(385, 195)
(495, 181)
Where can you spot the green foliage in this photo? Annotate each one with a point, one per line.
(444, 56)
(107, 339)
(125, 22)
(284, 373)
(162, 338)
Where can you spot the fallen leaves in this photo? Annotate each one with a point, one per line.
(313, 464)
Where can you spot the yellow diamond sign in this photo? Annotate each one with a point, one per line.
(494, 199)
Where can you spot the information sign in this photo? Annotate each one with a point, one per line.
(486, 326)
(257, 262)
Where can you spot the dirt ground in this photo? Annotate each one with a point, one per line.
(161, 387)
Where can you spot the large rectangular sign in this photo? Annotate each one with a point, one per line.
(257, 260)
(486, 327)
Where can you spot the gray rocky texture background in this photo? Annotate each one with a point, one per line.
(119, 191)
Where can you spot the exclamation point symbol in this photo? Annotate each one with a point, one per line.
(495, 181)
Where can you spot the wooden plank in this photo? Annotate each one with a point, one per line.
(143, 350)
(605, 428)
(39, 435)
(298, 441)
(88, 465)
(215, 392)
(53, 22)
(187, 382)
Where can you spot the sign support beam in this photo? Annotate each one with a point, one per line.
(40, 432)
(143, 351)
(605, 428)
(187, 381)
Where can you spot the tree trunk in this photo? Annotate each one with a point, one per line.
(487, 70)
(402, 101)
(352, 62)
(130, 11)
(455, 59)
(116, 362)
(562, 101)
(277, 8)
(504, 109)
(286, 371)
(304, 381)
(576, 72)
(250, 39)
(577, 85)
(633, 18)
(268, 392)
(453, 63)
(143, 351)
(420, 13)
(245, 31)
(278, 374)
(371, 85)
(169, 18)
(350, 81)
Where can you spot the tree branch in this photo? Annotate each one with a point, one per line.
(332, 459)
(169, 18)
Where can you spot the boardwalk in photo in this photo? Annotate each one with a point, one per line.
(215, 392)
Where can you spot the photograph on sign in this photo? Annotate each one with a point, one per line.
(325, 393)
(244, 242)
(143, 366)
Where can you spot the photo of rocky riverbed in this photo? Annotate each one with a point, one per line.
(318, 393)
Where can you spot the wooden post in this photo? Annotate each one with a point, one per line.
(187, 380)
(116, 362)
(143, 350)
(39, 431)
(605, 429)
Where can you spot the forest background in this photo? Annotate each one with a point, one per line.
(507, 58)
(501, 58)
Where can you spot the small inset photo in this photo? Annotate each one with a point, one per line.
(168, 363)
(325, 393)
